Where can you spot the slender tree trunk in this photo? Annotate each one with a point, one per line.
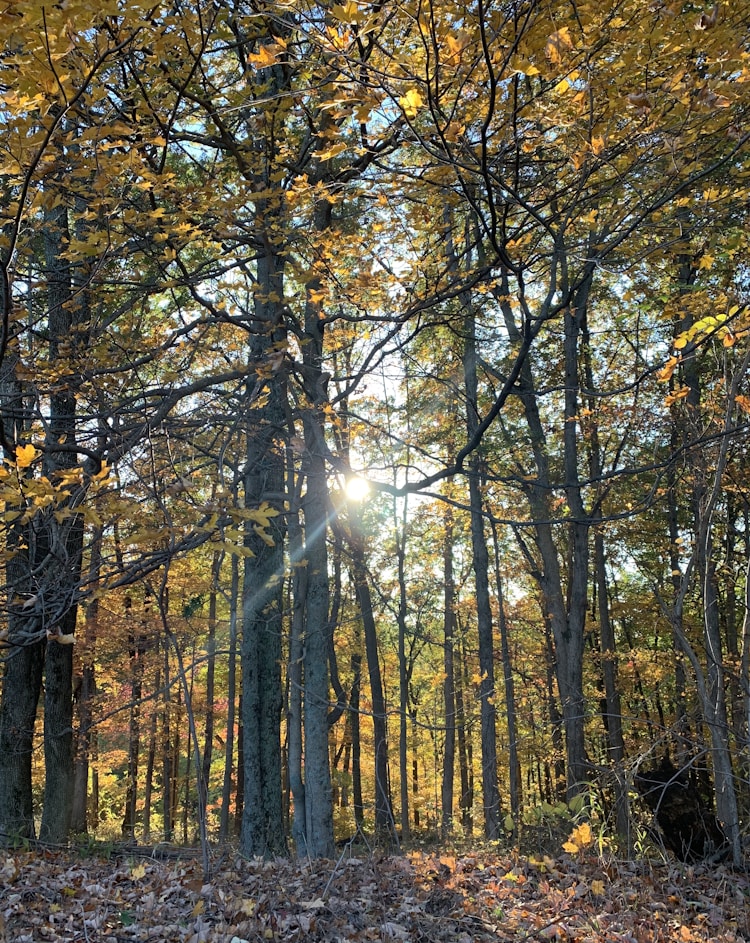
(403, 672)
(564, 602)
(384, 823)
(358, 801)
(615, 740)
(148, 786)
(480, 562)
(706, 488)
(510, 694)
(449, 684)
(226, 791)
(175, 750)
(415, 766)
(136, 652)
(168, 771)
(466, 799)
(208, 730)
(85, 695)
(239, 794)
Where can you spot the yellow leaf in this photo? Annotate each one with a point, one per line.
(558, 44)
(578, 159)
(667, 370)
(332, 151)
(524, 67)
(347, 12)
(590, 218)
(571, 847)
(266, 55)
(411, 103)
(138, 872)
(25, 455)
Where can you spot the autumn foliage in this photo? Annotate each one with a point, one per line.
(489, 259)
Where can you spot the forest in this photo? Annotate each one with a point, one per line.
(374, 409)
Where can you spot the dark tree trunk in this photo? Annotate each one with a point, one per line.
(466, 799)
(148, 786)
(136, 652)
(449, 684)
(404, 673)
(226, 791)
(359, 806)
(168, 772)
(295, 675)
(208, 730)
(262, 816)
(59, 544)
(480, 562)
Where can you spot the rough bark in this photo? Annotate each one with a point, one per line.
(262, 817)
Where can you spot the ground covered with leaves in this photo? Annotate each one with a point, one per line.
(425, 898)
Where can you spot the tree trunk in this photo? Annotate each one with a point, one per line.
(295, 676)
(384, 823)
(168, 772)
(23, 661)
(480, 563)
(86, 691)
(466, 799)
(136, 652)
(510, 694)
(226, 791)
(403, 671)
(318, 795)
(449, 684)
(354, 716)
(148, 786)
(613, 718)
(262, 816)
(59, 544)
(208, 730)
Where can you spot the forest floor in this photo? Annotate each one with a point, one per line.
(420, 897)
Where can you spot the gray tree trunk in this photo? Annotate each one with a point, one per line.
(262, 817)
(480, 562)
(449, 684)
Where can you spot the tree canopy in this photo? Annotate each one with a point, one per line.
(489, 258)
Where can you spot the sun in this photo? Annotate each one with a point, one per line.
(357, 489)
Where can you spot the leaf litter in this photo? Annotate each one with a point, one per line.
(425, 898)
